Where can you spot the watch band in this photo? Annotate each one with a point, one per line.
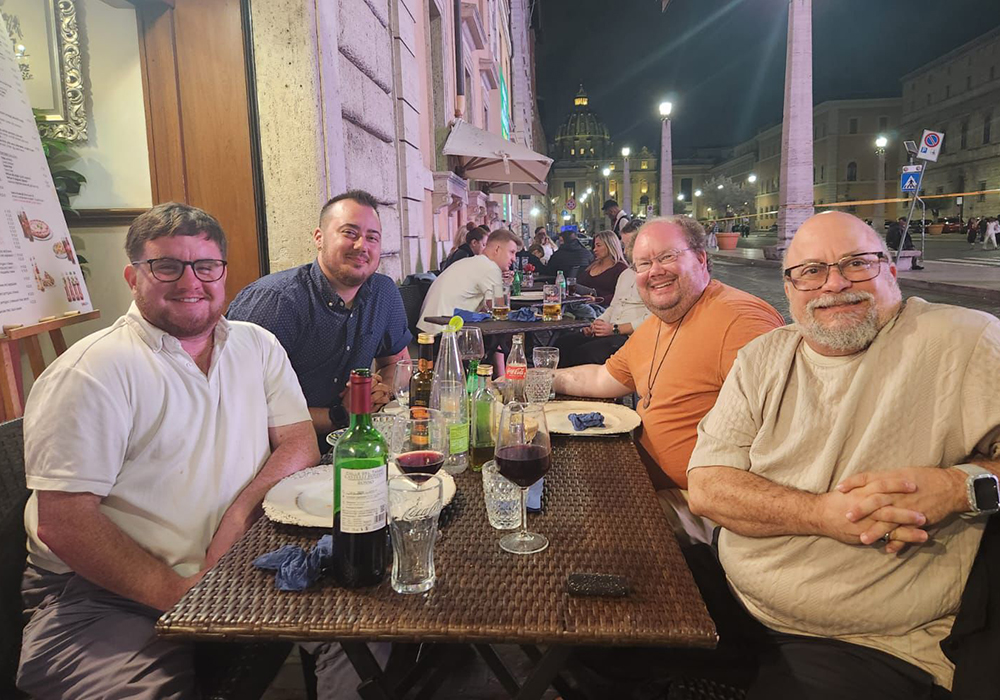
(976, 473)
(338, 416)
(615, 330)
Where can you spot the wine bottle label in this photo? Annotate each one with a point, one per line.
(517, 372)
(364, 499)
(458, 438)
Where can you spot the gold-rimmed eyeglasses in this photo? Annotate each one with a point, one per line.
(665, 258)
(858, 267)
(171, 269)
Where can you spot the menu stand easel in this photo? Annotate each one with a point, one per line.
(11, 401)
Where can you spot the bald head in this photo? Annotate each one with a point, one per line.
(829, 231)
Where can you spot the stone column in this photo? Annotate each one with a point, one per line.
(878, 221)
(626, 187)
(666, 171)
(796, 190)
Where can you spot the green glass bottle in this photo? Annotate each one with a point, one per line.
(360, 494)
(485, 403)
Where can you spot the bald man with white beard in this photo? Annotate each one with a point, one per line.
(851, 460)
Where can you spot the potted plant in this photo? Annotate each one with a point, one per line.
(724, 195)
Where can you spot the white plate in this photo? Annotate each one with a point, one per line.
(529, 296)
(617, 419)
(306, 497)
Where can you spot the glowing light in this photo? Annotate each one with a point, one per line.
(697, 193)
(752, 178)
(626, 151)
(881, 142)
(665, 109)
(606, 172)
(535, 212)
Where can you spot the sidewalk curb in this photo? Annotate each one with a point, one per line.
(907, 282)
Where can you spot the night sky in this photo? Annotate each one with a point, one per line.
(722, 62)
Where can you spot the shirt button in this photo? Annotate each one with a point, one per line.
(348, 347)
(329, 303)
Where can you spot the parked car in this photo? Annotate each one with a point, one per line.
(952, 224)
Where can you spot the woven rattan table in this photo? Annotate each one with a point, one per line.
(510, 327)
(600, 514)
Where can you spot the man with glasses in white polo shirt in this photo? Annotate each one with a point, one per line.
(149, 447)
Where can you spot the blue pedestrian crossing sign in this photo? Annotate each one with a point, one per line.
(909, 179)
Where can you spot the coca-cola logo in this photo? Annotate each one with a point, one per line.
(517, 372)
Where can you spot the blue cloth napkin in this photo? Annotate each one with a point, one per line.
(297, 570)
(535, 495)
(525, 313)
(471, 316)
(582, 421)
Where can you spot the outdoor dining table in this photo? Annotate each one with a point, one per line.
(600, 514)
(491, 327)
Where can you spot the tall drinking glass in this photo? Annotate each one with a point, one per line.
(551, 302)
(501, 302)
(413, 518)
(548, 357)
(523, 455)
(419, 442)
(405, 369)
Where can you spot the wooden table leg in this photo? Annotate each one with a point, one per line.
(35, 358)
(499, 669)
(58, 341)
(373, 686)
(10, 368)
(540, 678)
(566, 691)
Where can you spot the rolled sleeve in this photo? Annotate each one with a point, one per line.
(727, 432)
(619, 364)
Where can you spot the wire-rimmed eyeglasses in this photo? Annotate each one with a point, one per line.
(665, 258)
(858, 267)
(171, 269)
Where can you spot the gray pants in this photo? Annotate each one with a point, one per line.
(85, 642)
(336, 678)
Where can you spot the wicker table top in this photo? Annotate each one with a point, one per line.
(600, 515)
(509, 327)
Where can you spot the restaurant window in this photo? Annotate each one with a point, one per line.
(572, 151)
(822, 173)
(643, 164)
(987, 127)
(569, 188)
(852, 171)
(982, 194)
(852, 125)
(643, 187)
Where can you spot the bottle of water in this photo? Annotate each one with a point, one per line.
(561, 281)
(448, 395)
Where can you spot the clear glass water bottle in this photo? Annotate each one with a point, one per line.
(449, 395)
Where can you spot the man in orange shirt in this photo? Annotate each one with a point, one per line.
(678, 358)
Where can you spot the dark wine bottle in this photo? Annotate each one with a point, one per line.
(360, 494)
(420, 382)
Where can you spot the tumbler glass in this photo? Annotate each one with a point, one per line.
(413, 518)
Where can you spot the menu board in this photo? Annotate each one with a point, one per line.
(40, 275)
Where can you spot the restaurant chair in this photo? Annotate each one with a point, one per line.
(413, 295)
(225, 670)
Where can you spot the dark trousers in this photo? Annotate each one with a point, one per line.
(773, 666)
(578, 349)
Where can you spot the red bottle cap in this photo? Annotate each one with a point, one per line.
(361, 391)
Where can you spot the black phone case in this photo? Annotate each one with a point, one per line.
(608, 585)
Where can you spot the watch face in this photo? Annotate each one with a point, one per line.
(987, 495)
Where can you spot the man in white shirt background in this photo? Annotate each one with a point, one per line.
(149, 447)
(467, 282)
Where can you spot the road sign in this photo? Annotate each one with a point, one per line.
(930, 145)
(571, 204)
(909, 179)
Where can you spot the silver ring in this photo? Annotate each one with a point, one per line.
(885, 538)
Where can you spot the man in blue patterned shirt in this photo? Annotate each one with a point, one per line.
(336, 313)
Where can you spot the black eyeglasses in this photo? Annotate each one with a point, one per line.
(859, 267)
(171, 269)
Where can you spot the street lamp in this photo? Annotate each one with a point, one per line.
(697, 193)
(878, 222)
(751, 178)
(666, 162)
(590, 190)
(680, 197)
(719, 187)
(535, 212)
(626, 182)
(606, 172)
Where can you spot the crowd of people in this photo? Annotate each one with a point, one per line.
(828, 480)
(982, 230)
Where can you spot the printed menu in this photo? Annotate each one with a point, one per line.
(40, 275)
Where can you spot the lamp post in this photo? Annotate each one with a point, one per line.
(666, 164)
(626, 182)
(694, 204)
(606, 172)
(752, 179)
(878, 222)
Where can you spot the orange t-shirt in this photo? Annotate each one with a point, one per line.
(717, 326)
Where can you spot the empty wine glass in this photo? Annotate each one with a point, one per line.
(470, 345)
(401, 380)
(523, 455)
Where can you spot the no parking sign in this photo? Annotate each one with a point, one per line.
(930, 145)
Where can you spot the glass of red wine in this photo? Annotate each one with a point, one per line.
(419, 442)
(523, 455)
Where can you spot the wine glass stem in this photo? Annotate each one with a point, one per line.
(524, 514)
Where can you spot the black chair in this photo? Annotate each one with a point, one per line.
(225, 671)
(413, 295)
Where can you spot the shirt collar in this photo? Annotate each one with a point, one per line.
(156, 338)
(330, 297)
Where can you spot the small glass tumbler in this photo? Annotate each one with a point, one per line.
(503, 498)
(538, 384)
(413, 519)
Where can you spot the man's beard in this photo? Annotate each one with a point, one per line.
(848, 339)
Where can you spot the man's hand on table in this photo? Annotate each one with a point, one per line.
(601, 328)
(936, 494)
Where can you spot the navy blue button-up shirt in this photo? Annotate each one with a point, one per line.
(324, 339)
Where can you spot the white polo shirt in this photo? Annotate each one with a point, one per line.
(126, 414)
(463, 285)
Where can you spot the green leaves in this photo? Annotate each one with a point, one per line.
(58, 154)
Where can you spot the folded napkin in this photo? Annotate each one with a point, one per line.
(297, 570)
(535, 495)
(471, 316)
(525, 313)
(582, 421)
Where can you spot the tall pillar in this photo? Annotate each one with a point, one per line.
(796, 192)
(666, 171)
(626, 184)
(878, 221)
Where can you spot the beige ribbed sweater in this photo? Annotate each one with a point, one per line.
(925, 393)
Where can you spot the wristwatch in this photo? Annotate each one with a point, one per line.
(338, 416)
(983, 489)
(614, 329)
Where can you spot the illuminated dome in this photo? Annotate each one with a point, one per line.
(583, 136)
